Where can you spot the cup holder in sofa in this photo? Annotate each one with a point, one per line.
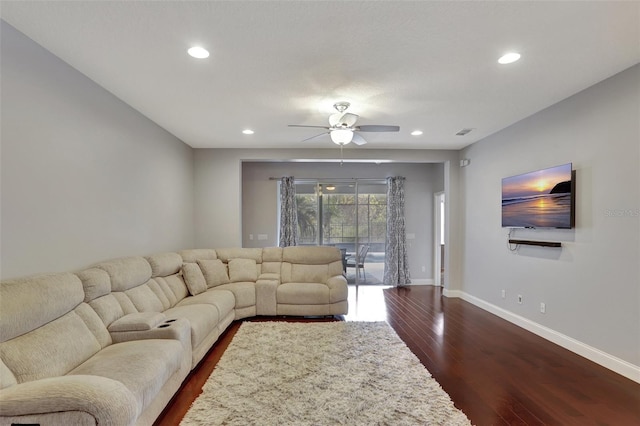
(167, 323)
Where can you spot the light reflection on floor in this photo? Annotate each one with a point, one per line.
(366, 303)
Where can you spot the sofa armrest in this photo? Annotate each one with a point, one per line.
(266, 302)
(177, 329)
(139, 321)
(338, 289)
(106, 401)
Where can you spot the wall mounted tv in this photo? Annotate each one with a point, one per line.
(541, 199)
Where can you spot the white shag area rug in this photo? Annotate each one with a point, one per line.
(328, 373)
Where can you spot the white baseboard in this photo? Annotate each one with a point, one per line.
(422, 281)
(604, 359)
(451, 293)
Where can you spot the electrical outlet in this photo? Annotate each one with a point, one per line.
(504, 293)
(543, 307)
(519, 299)
(262, 237)
(424, 269)
(251, 237)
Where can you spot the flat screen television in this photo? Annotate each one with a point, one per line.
(540, 199)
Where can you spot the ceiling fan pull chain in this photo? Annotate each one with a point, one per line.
(341, 156)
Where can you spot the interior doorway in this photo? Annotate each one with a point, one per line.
(438, 227)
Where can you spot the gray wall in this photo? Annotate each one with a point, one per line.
(219, 195)
(591, 286)
(260, 204)
(84, 176)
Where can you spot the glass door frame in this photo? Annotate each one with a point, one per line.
(321, 185)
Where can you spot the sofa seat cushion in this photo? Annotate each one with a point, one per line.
(143, 366)
(202, 318)
(224, 300)
(302, 294)
(244, 292)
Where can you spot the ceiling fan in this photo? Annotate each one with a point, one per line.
(342, 127)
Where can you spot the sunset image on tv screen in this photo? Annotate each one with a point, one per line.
(540, 199)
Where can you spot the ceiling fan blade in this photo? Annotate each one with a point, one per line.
(358, 140)
(343, 119)
(313, 137)
(377, 128)
(349, 119)
(335, 119)
(304, 125)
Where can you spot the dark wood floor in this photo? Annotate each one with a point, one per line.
(496, 372)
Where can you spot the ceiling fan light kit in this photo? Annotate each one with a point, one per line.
(341, 136)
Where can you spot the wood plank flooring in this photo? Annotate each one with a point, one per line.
(496, 372)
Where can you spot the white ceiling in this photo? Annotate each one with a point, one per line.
(420, 65)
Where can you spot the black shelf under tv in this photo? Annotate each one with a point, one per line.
(536, 243)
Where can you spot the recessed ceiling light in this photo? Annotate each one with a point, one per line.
(198, 52)
(509, 58)
(248, 132)
(416, 133)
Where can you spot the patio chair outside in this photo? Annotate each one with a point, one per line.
(358, 261)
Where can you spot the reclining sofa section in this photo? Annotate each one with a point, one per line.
(111, 345)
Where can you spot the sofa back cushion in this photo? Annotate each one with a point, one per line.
(109, 308)
(299, 273)
(311, 255)
(31, 302)
(175, 285)
(164, 264)
(226, 254)
(271, 260)
(214, 272)
(310, 264)
(96, 283)
(243, 270)
(131, 277)
(194, 278)
(166, 271)
(192, 255)
(148, 298)
(126, 272)
(46, 329)
(51, 350)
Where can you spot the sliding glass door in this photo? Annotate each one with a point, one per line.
(349, 215)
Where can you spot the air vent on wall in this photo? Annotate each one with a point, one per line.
(464, 132)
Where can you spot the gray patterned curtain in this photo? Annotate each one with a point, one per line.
(396, 267)
(288, 212)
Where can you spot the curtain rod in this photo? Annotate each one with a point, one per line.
(334, 179)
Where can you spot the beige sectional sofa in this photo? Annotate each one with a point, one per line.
(111, 344)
